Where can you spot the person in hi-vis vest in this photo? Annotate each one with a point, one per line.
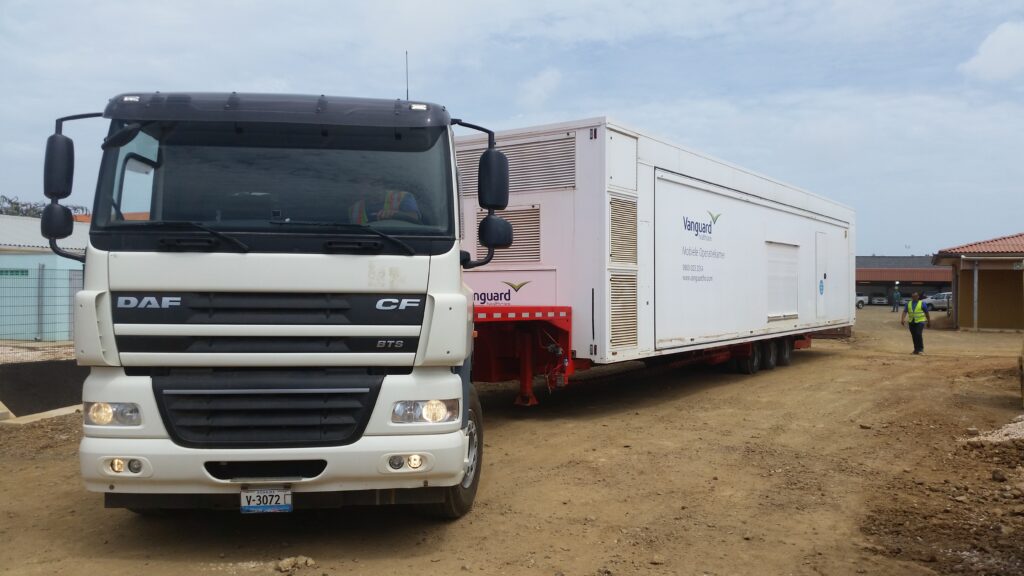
(384, 204)
(919, 318)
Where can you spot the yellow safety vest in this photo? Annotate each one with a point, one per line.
(392, 202)
(916, 316)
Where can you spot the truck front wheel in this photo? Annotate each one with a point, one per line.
(458, 499)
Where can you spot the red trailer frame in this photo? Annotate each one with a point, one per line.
(522, 342)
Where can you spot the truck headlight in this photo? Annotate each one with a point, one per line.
(112, 414)
(429, 411)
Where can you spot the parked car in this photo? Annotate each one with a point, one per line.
(862, 299)
(940, 301)
(879, 300)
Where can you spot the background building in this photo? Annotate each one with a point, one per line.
(877, 275)
(37, 287)
(988, 283)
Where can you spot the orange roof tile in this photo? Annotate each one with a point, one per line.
(1013, 244)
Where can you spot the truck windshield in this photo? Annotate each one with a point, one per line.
(278, 179)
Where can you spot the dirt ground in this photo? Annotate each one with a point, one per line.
(27, 351)
(854, 460)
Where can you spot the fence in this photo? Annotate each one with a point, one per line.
(36, 313)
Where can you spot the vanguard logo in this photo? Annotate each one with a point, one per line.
(701, 229)
(515, 286)
(496, 296)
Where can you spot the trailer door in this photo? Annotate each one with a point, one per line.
(821, 271)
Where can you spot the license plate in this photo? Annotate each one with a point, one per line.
(262, 500)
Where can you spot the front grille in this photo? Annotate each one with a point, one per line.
(239, 308)
(266, 344)
(266, 409)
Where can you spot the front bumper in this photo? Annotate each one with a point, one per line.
(172, 469)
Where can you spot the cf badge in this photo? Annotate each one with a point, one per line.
(396, 304)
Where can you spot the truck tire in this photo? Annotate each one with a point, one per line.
(458, 499)
(769, 355)
(785, 354)
(752, 363)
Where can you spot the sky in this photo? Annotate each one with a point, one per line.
(911, 112)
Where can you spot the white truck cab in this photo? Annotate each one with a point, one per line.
(273, 308)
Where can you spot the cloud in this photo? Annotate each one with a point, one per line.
(948, 157)
(536, 91)
(1000, 56)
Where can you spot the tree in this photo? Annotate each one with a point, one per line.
(15, 207)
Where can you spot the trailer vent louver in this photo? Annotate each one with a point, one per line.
(622, 233)
(525, 221)
(532, 166)
(623, 311)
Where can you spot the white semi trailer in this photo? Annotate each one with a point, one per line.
(629, 247)
(273, 311)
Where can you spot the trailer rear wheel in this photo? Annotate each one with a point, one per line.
(785, 357)
(769, 354)
(458, 499)
(751, 363)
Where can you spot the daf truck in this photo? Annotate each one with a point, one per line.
(273, 311)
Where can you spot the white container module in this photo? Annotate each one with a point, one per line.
(652, 249)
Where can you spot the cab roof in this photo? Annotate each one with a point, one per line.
(276, 108)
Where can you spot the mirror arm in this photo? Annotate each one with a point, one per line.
(490, 133)
(58, 129)
(62, 252)
(477, 263)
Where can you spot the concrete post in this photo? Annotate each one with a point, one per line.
(975, 295)
(40, 301)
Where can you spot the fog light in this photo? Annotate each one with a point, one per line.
(415, 461)
(135, 466)
(101, 413)
(117, 465)
(396, 462)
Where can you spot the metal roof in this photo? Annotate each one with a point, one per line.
(1013, 244)
(21, 234)
(894, 262)
(943, 274)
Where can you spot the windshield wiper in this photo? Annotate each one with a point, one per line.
(242, 246)
(347, 226)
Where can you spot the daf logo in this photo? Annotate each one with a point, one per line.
(396, 304)
(148, 302)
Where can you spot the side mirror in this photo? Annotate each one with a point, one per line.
(495, 232)
(57, 222)
(59, 167)
(492, 181)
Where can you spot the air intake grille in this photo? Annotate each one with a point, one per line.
(622, 231)
(532, 166)
(623, 311)
(275, 409)
(525, 221)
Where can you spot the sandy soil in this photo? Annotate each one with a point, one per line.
(857, 459)
(12, 351)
